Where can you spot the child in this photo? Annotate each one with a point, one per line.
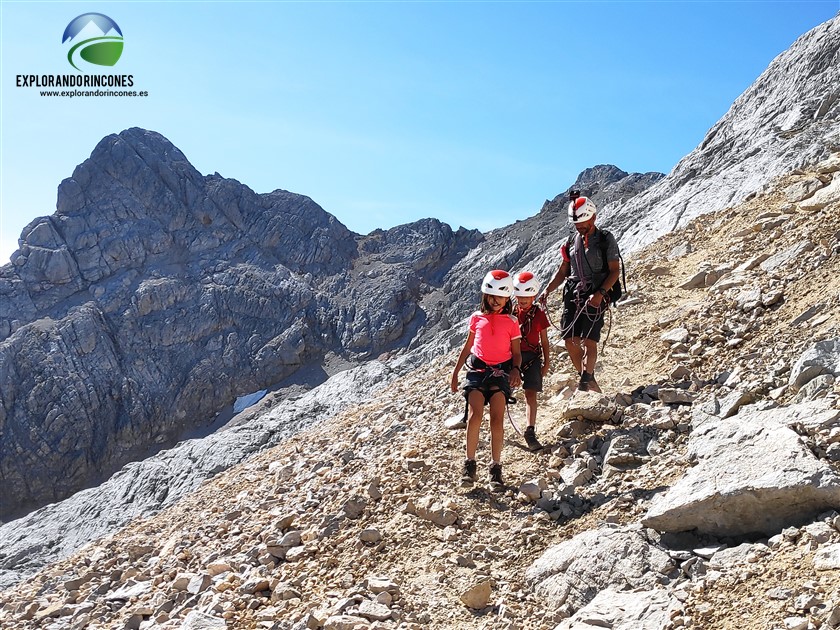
(533, 324)
(491, 354)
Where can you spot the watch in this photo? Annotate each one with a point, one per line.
(603, 291)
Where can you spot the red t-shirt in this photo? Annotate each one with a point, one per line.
(493, 334)
(531, 333)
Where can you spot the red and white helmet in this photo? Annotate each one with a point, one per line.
(526, 285)
(497, 282)
(581, 210)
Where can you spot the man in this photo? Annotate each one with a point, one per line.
(585, 294)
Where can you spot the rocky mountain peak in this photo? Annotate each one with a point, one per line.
(608, 187)
(596, 177)
(154, 296)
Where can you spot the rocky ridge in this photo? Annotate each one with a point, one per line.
(358, 521)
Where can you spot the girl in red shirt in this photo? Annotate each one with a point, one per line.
(494, 365)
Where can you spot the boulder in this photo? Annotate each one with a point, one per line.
(572, 573)
(736, 486)
(625, 610)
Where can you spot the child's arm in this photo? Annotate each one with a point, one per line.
(546, 366)
(465, 352)
(516, 375)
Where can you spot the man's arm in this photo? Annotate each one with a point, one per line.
(601, 292)
(559, 277)
(615, 271)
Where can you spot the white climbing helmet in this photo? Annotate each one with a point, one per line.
(526, 285)
(581, 210)
(497, 282)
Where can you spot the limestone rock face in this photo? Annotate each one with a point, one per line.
(155, 296)
(623, 610)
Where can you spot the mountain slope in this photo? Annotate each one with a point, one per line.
(34, 321)
(358, 521)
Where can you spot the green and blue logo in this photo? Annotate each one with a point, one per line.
(93, 41)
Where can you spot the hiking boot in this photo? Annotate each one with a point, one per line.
(531, 439)
(469, 471)
(496, 474)
(585, 379)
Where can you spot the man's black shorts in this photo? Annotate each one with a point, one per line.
(588, 321)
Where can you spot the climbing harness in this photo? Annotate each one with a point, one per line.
(476, 365)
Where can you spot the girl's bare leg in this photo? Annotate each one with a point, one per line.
(476, 400)
(497, 426)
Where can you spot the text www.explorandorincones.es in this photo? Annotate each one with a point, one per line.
(72, 93)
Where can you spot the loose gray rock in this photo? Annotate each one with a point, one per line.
(628, 448)
(478, 595)
(346, 622)
(196, 620)
(374, 611)
(430, 509)
(736, 486)
(827, 558)
(821, 358)
(625, 610)
(590, 406)
(574, 572)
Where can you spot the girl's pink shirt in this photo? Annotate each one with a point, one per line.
(493, 334)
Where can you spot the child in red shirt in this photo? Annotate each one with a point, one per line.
(536, 356)
(494, 365)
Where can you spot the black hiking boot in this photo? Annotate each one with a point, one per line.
(469, 474)
(496, 475)
(585, 379)
(531, 439)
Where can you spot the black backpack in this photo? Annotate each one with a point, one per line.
(616, 290)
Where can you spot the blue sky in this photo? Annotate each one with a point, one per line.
(388, 112)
